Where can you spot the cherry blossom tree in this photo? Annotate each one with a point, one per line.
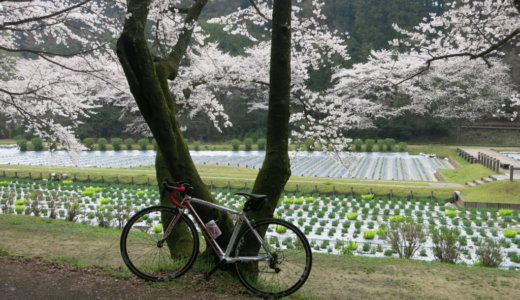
(54, 64)
(450, 67)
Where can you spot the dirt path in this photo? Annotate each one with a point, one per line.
(27, 278)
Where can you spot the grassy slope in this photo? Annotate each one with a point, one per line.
(332, 277)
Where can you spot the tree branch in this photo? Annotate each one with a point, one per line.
(481, 55)
(180, 48)
(34, 19)
(255, 6)
(41, 53)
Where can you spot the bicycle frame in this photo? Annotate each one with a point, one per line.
(225, 256)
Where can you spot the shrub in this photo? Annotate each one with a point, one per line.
(143, 144)
(129, 142)
(235, 144)
(358, 144)
(423, 252)
(89, 143)
(102, 143)
(352, 216)
(67, 182)
(389, 144)
(116, 143)
(308, 145)
(381, 146)
(261, 144)
(104, 201)
(405, 237)
(369, 234)
(446, 246)
(369, 143)
(388, 252)
(509, 233)
(403, 146)
(248, 143)
(22, 144)
(366, 247)
(489, 254)
(37, 143)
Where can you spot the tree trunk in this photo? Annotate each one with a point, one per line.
(148, 80)
(276, 168)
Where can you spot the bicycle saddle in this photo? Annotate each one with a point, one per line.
(254, 202)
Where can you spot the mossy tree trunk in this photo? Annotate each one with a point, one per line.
(276, 168)
(148, 77)
(148, 80)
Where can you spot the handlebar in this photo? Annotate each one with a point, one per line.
(179, 186)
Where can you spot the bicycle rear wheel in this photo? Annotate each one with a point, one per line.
(291, 261)
(148, 255)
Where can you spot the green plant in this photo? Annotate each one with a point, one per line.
(423, 252)
(450, 213)
(37, 143)
(388, 252)
(116, 143)
(352, 216)
(235, 144)
(248, 144)
(143, 144)
(158, 228)
(489, 254)
(102, 143)
(405, 237)
(129, 142)
(446, 245)
(19, 209)
(261, 144)
(351, 245)
(397, 218)
(369, 234)
(89, 143)
(369, 143)
(22, 144)
(509, 233)
(505, 212)
(367, 196)
(280, 229)
(366, 247)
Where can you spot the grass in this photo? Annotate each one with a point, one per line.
(7, 141)
(504, 191)
(332, 277)
(466, 173)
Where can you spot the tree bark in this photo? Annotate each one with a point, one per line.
(148, 81)
(276, 168)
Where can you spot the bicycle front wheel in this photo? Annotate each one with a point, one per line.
(152, 256)
(288, 258)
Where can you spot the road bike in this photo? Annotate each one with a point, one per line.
(272, 257)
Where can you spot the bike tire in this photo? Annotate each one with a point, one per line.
(293, 259)
(146, 257)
